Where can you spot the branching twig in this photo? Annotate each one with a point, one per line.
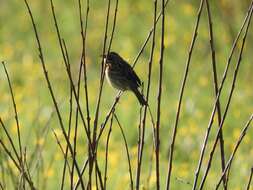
(17, 165)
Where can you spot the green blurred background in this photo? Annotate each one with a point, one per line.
(18, 48)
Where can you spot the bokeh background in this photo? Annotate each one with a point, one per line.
(36, 112)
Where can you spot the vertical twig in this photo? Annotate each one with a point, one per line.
(142, 131)
(127, 151)
(158, 116)
(98, 173)
(102, 72)
(99, 96)
(216, 100)
(228, 102)
(212, 46)
(83, 63)
(106, 152)
(250, 178)
(68, 71)
(41, 56)
(82, 171)
(194, 37)
(69, 122)
(83, 58)
(16, 116)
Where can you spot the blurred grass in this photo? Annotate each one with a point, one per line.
(18, 49)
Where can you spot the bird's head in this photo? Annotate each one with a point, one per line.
(112, 59)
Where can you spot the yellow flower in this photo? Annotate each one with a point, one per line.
(236, 133)
(134, 150)
(193, 129)
(199, 114)
(183, 170)
(237, 113)
(114, 158)
(188, 9)
(203, 81)
(49, 173)
(14, 128)
(7, 51)
(153, 178)
(40, 141)
(58, 156)
(169, 40)
(247, 139)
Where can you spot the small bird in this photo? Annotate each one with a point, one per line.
(121, 75)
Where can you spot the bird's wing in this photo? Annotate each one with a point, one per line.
(130, 73)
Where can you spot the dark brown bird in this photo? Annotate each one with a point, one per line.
(121, 75)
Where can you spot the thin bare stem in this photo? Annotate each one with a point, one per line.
(216, 100)
(82, 172)
(106, 152)
(250, 178)
(228, 102)
(68, 71)
(102, 74)
(149, 36)
(159, 96)
(98, 173)
(212, 46)
(69, 124)
(61, 148)
(141, 141)
(17, 165)
(194, 37)
(16, 116)
(41, 56)
(127, 151)
(229, 163)
(83, 64)
(10, 139)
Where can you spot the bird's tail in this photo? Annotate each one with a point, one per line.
(139, 96)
